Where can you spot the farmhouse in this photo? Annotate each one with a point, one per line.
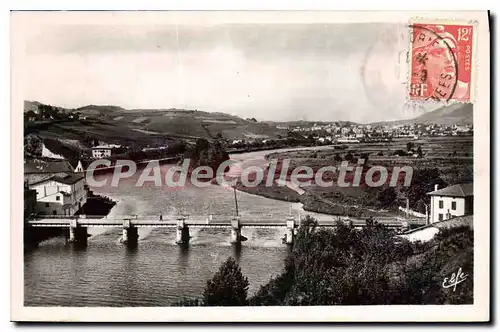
(101, 151)
(452, 201)
(60, 193)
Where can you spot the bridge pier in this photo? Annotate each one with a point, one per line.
(77, 234)
(182, 235)
(130, 234)
(235, 230)
(290, 230)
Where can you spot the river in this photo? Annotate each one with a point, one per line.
(158, 272)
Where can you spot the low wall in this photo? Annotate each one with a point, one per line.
(412, 213)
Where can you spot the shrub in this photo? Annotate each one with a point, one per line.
(228, 287)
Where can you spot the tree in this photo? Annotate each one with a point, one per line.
(423, 181)
(348, 156)
(337, 157)
(338, 266)
(419, 152)
(400, 153)
(410, 146)
(386, 197)
(228, 287)
(30, 115)
(32, 146)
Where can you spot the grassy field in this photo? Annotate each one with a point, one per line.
(362, 201)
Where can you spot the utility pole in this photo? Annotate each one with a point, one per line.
(236, 202)
(426, 214)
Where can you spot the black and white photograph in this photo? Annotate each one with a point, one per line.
(245, 159)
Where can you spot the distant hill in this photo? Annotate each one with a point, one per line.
(302, 123)
(34, 105)
(98, 109)
(448, 115)
(176, 122)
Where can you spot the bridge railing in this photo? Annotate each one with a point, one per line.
(214, 219)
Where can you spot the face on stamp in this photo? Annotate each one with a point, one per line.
(441, 62)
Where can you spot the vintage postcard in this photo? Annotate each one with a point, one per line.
(250, 166)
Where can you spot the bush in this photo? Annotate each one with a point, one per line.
(345, 266)
(386, 197)
(228, 287)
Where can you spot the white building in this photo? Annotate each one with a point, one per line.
(101, 151)
(60, 194)
(452, 201)
(79, 167)
(345, 130)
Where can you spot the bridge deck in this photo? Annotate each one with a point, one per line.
(156, 223)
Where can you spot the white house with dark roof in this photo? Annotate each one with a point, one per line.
(452, 201)
(60, 193)
(101, 151)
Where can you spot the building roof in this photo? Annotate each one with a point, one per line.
(46, 166)
(102, 147)
(85, 163)
(458, 190)
(68, 178)
(65, 178)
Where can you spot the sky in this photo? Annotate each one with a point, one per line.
(276, 72)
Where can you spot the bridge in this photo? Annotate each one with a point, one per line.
(78, 225)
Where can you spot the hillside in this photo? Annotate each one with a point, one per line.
(35, 106)
(448, 115)
(171, 123)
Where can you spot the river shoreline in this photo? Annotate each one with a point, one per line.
(310, 200)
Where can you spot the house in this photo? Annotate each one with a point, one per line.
(60, 193)
(101, 151)
(452, 201)
(345, 130)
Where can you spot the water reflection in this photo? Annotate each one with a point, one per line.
(237, 251)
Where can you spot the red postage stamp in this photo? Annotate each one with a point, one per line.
(442, 66)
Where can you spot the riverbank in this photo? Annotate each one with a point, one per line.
(362, 201)
(274, 192)
(356, 202)
(310, 202)
(97, 205)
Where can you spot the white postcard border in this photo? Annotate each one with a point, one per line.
(479, 311)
